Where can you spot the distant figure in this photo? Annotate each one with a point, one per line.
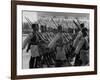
(33, 40)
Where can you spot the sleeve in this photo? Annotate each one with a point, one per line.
(76, 41)
(26, 41)
(79, 46)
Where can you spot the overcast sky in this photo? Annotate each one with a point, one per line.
(33, 16)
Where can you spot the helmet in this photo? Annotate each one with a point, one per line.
(82, 25)
(34, 27)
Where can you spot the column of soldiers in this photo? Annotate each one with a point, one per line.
(56, 53)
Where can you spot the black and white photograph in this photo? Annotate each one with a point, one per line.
(52, 40)
(55, 39)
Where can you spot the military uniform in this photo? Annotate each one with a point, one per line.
(60, 52)
(82, 52)
(32, 41)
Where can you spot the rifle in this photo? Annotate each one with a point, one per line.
(29, 22)
(77, 25)
(54, 22)
(78, 21)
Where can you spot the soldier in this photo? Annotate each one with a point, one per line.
(79, 34)
(60, 53)
(82, 50)
(33, 40)
(76, 41)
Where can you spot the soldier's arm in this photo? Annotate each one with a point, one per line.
(79, 46)
(77, 39)
(29, 46)
(26, 41)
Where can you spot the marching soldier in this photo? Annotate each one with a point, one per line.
(82, 50)
(76, 41)
(33, 40)
(60, 52)
(78, 36)
(77, 45)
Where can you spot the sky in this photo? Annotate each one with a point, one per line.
(33, 16)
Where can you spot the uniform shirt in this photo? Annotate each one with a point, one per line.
(60, 53)
(34, 48)
(84, 56)
(60, 48)
(77, 39)
(82, 45)
(34, 51)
